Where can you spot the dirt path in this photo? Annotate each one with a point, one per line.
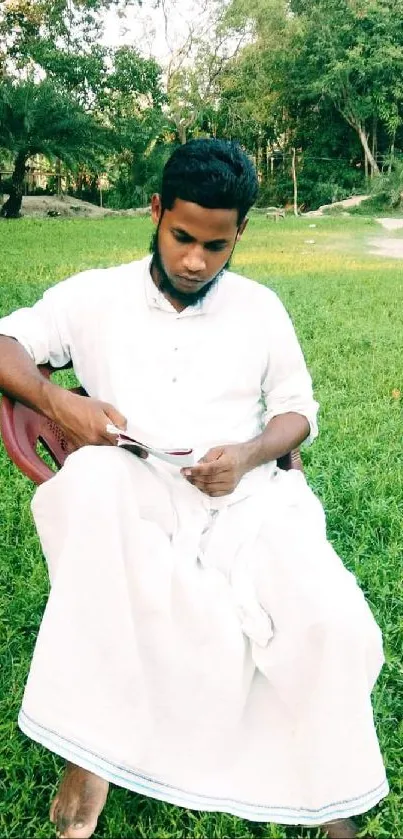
(385, 245)
(65, 206)
(346, 205)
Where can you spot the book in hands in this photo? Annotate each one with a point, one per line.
(177, 457)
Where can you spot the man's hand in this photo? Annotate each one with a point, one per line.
(219, 471)
(83, 419)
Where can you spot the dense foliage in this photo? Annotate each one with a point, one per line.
(317, 81)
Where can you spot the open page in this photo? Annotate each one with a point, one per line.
(178, 456)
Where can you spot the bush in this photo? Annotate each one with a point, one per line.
(387, 192)
(388, 188)
(319, 182)
(6, 186)
(38, 190)
(135, 181)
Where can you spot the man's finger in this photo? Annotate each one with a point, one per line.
(212, 454)
(114, 416)
(109, 437)
(219, 493)
(207, 470)
(222, 489)
(207, 485)
(218, 486)
(219, 478)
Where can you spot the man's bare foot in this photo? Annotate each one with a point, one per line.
(78, 803)
(340, 829)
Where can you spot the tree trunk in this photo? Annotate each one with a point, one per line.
(392, 154)
(294, 178)
(12, 207)
(367, 151)
(182, 132)
(59, 176)
(259, 155)
(374, 139)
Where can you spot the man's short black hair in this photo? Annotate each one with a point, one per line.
(216, 174)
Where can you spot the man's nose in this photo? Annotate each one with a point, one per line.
(194, 260)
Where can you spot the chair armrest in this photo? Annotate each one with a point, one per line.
(22, 429)
(292, 460)
(20, 433)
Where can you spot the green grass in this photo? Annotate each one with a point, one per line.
(347, 309)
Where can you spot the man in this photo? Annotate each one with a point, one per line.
(202, 642)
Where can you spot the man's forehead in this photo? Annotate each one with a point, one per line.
(202, 222)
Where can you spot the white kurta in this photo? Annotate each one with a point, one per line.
(213, 653)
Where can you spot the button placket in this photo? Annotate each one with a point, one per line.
(175, 378)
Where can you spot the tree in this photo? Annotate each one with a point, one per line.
(198, 55)
(40, 119)
(321, 76)
(114, 93)
(131, 101)
(351, 52)
(255, 103)
(34, 32)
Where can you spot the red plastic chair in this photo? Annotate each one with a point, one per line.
(23, 428)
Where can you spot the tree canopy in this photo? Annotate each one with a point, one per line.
(319, 82)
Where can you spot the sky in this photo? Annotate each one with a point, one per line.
(152, 33)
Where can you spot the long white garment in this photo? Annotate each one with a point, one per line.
(216, 660)
(213, 653)
(211, 374)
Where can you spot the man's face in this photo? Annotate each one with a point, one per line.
(192, 246)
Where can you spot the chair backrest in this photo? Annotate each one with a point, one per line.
(23, 428)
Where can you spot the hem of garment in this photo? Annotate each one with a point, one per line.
(135, 781)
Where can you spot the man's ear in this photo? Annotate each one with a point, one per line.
(241, 229)
(156, 208)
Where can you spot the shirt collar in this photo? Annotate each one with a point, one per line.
(156, 299)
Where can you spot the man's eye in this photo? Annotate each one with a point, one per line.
(215, 248)
(181, 238)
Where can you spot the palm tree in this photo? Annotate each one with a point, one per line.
(41, 119)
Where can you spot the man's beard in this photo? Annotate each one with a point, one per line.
(165, 285)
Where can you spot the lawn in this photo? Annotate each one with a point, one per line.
(346, 307)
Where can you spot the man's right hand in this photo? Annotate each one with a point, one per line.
(83, 419)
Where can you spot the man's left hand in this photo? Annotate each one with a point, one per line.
(219, 471)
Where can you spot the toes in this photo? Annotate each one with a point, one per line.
(78, 830)
(84, 823)
(78, 803)
(76, 823)
(65, 819)
(341, 829)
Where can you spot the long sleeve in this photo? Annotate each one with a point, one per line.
(43, 329)
(287, 384)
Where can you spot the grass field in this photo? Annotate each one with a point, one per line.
(347, 309)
